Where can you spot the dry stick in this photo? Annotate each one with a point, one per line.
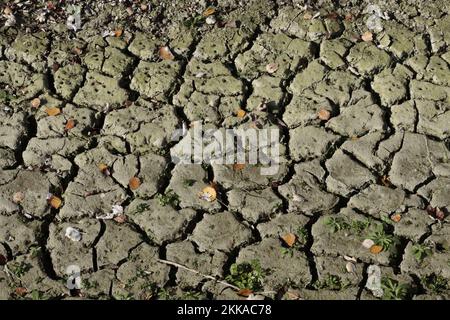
(198, 272)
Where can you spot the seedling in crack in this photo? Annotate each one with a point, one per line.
(421, 251)
(332, 282)
(188, 182)
(435, 283)
(142, 207)
(20, 269)
(246, 275)
(381, 238)
(169, 198)
(393, 290)
(336, 224)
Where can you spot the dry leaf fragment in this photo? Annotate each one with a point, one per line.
(440, 214)
(7, 11)
(396, 217)
(271, 67)
(55, 202)
(120, 218)
(386, 181)
(240, 113)
(70, 124)
(332, 16)
(367, 36)
(35, 103)
(436, 213)
(77, 51)
(103, 169)
(307, 16)
(209, 11)
(118, 33)
(376, 249)
(238, 166)
(323, 114)
(245, 292)
(208, 193)
(18, 197)
(53, 111)
(348, 17)
(21, 291)
(289, 239)
(165, 53)
(134, 183)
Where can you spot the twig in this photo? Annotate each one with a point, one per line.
(199, 273)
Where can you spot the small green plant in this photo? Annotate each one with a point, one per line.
(191, 295)
(87, 285)
(435, 283)
(421, 251)
(359, 226)
(169, 198)
(141, 207)
(336, 224)
(288, 251)
(5, 96)
(124, 296)
(393, 290)
(381, 238)
(188, 182)
(302, 235)
(332, 282)
(246, 275)
(164, 294)
(20, 269)
(38, 295)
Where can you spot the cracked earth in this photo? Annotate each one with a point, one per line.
(363, 189)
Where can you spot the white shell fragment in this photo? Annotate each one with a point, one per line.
(73, 234)
(210, 20)
(350, 267)
(368, 243)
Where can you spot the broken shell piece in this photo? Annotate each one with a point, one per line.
(210, 20)
(73, 234)
(368, 243)
(18, 197)
(116, 211)
(350, 267)
(352, 259)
